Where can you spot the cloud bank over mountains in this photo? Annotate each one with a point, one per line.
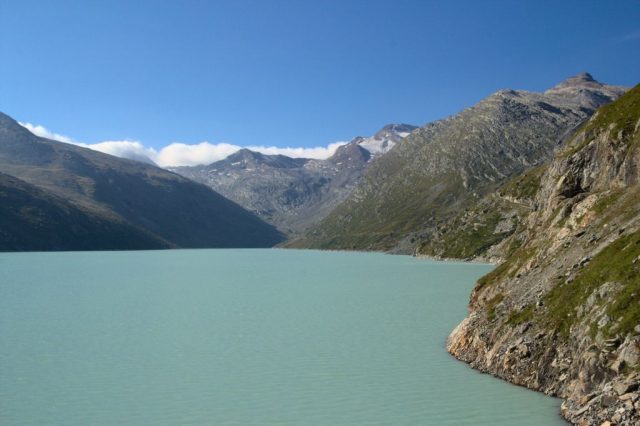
(181, 154)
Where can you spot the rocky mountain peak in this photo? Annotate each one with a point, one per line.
(394, 129)
(394, 132)
(385, 138)
(246, 154)
(248, 158)
(584, 90)
(350, 153)
(581, 81)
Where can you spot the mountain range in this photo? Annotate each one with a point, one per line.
(407, 198)
(399, 190)
(295, 193)
(57, 196)
(546, 185)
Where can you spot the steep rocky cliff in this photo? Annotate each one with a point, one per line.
(562, 313)
(411, 194)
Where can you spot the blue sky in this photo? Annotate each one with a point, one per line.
(291, 73)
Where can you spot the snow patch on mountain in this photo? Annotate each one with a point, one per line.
(385, 139)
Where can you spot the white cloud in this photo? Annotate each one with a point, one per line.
(44, 133)
(132, 150)
(319, 152)
(180, 154)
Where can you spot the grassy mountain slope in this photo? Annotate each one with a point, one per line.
(169, 207)
(562, 313)
(448, 166)
(482, 230)
(32, 219)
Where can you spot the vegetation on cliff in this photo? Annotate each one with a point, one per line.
(562, 313)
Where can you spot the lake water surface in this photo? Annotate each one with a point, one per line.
(243, 337)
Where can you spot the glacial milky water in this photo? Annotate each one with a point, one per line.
(243, 337)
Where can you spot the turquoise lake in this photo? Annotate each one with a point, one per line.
(243, 337)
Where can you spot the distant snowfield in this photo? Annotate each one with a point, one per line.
(180, 154)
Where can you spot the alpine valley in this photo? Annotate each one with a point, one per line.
(545, 185)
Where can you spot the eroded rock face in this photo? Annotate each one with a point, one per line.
(561, 315)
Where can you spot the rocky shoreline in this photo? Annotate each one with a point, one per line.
(561, 315)
(539, 362)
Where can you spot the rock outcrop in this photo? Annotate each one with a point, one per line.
(562, 313)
